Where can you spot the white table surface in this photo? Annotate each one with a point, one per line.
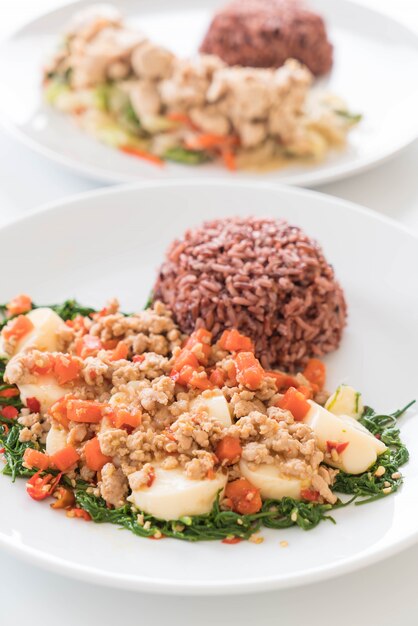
(385, 594)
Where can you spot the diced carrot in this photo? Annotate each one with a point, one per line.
(201, 338)
(142, 154)
(9, 412)
(315, 372)
(228, 449)
(183, 376)
(19, 304)
(123, 417)
(66, 368)
(58, 411)
(88, 345)
(11, 392)
(185, 358)
(200, 380)
(244, 497)
(78, 324)
(65, 458)
(43, 364)
(33, 458)
(307, 391)
(120, 352)
(249, 371)
(17, 328)
(233, 341)
(110, 344)
(309, 494)
(335, 445)
(202, 335)
(229, 160)
(295, 402)
(283, 381)
(86, 411)
(98, 314)
(231, 371)
(217, 378)
(232, 540)
(138, 358)
(95, 458)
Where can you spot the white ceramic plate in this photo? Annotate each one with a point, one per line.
(110, 243)
(375, 60)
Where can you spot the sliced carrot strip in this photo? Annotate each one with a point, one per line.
(142, 154)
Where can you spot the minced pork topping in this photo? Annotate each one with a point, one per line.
(139, 387)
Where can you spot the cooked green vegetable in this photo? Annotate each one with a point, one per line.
(55, 89)
(354, 118)
(14, 451)
(187, 157)
(150, 298)
(345, 401)
(367, 487)
(70, 309)
(217, 524)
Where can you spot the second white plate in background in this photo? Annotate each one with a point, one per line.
(376, 62)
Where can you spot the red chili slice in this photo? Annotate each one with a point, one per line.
(40, 487)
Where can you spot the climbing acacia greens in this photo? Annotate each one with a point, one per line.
(217, 524)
